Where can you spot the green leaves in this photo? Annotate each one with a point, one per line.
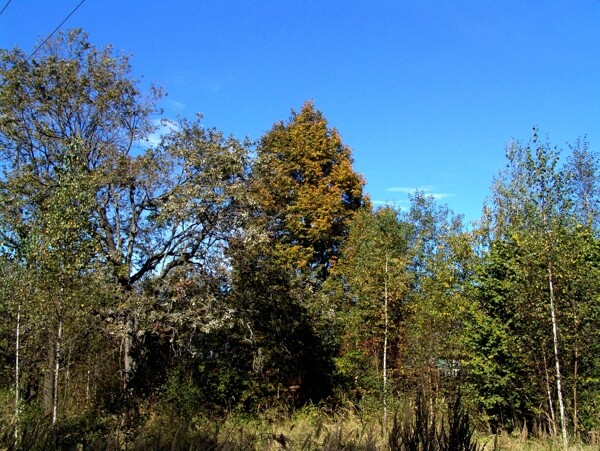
(368, 287)
(138, 267)
(83, 202)
(529, 286)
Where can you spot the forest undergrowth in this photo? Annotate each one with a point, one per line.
(419, 425)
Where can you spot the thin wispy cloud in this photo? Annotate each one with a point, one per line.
(401, 189)
(214, 86)
(429, 190)
(204, 83)
(176, 105)
(388, 202)
(215, 83)
(440, 195)
(399, 204)
(162, 128)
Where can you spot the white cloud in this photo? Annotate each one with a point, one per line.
(400, 204)
(440, 195)
(401, 189)
(215, 83)
(410, 189)
(162, 128)
(429, 190)
(176, 105)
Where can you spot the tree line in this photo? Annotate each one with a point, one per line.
(204, 274)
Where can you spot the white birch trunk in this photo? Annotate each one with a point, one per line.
(550, 401)
(17, 375)
(56, 371)
(561, 404)
(385, 344)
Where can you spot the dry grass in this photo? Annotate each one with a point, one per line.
(310, 428)
(314, 429)
(519, 442)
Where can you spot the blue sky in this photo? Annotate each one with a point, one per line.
(426, 93)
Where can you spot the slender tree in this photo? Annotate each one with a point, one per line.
(373, 282)
(538, 254)
(440, 267)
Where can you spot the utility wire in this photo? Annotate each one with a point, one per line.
(55, 30)
(7, 3)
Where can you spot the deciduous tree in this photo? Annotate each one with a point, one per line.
(372, 282)
(306, 190)
(74, 138)
(538, 254)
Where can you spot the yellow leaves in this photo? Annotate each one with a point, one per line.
(303, 177)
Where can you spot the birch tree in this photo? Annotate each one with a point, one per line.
(535, 219)
(373, 283)
(441, 266)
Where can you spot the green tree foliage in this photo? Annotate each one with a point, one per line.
(530, 288)
(80, 198)
(156, 271)
(372, 282)
(441, 266)
(401, 294)
(56, 250)
(283, 330)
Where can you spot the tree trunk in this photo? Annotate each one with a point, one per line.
(128, 358)
(17, 398)
(56, 371)
(65, 394)
(561, 404)
(550, 401)
(129, 366)
(48, 391)
(385, 344)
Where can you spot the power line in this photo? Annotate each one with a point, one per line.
(55, 30)
(7, 3)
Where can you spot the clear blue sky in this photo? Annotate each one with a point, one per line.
(426, 93)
